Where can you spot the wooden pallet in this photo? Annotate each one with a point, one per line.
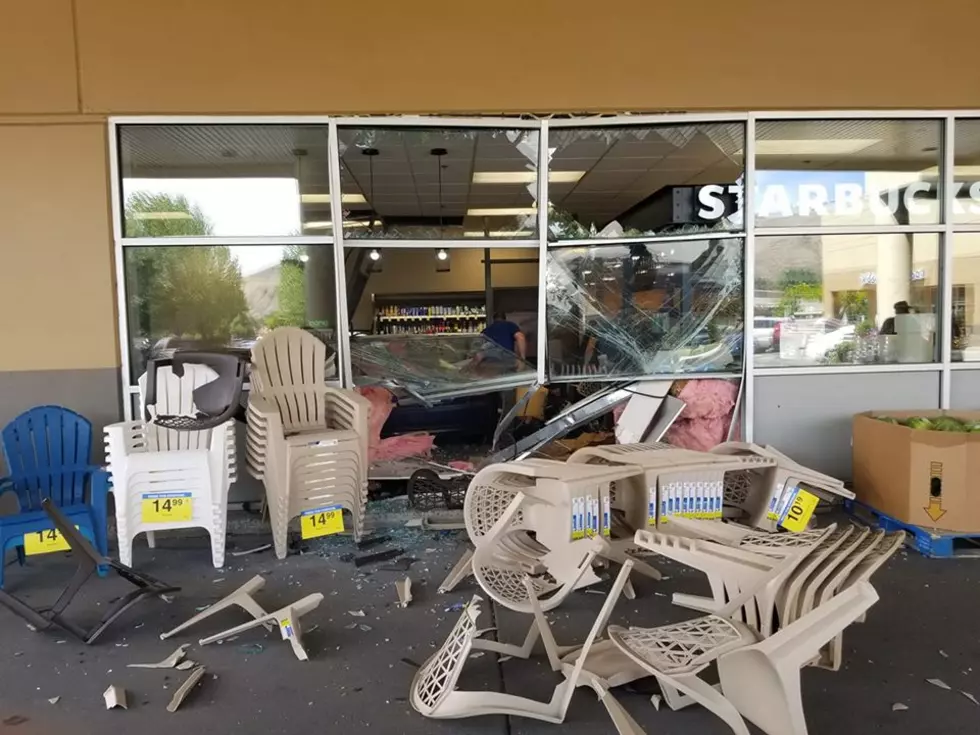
(933, 543)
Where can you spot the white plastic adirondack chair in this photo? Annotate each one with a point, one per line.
(150, 464)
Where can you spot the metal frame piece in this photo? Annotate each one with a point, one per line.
(88, 561)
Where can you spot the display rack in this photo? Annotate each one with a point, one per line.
(430, 313)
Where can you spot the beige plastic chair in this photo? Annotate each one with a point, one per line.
(286, 619)
(677, 654)
(433, 692)
(764, 502)
(147, 460)
(733, 534)
(673, 483)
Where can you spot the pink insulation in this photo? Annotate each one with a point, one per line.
(394, 447)
(703, 424)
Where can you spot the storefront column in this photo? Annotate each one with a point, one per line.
(893, 274)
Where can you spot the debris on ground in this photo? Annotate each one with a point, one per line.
(371, 541)
(115, 696)
(939, 683)
(256, 550)
(365, 628)
(387, 555)
(251, 648)
(54, 700)
(404, 590)
(168, 663)
(943, 653)
(181, 694)
(899, 707)
(970, 697)
(219, 579)
(356, 613)
(185, 665)
(655, 700)
(398, 565)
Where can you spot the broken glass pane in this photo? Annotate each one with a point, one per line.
(653, 308)
(437, 366)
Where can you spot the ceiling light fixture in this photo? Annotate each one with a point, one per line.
(441, 254)
(814, 147)
(325, 199)
(375, 254)
(525, 177)
(501, 211)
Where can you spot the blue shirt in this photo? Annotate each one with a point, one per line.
(502, 332)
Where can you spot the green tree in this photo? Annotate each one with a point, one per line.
(795, 294)
(191, 292)
(291, 311)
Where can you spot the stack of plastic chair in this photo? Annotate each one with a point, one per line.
(167, 473)
(672, 483)
(765, 502)
(48, 454)
(306, 442)
(759, 645)
(559, 507)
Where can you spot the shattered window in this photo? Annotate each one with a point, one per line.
(652, 308)
(437, 366)
(614, 182)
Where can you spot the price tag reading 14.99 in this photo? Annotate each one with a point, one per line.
(321, 522)
(166, 507)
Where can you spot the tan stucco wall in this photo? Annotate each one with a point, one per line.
(56, 267)
(187, 56)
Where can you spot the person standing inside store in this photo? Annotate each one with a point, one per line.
(507, 334)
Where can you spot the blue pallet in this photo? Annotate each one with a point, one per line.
(931, 543)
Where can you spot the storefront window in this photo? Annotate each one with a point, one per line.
(846, 299)
(624, 311)
(966, 187)
(847, 172)
(439, 183)
(225, 296)
(966, 297)
(224, 180)
(608, 182)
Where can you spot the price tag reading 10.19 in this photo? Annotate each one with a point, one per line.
(321, 522)
(798, 511)
(166, 507)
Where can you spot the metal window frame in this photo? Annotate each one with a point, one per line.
(946, 228)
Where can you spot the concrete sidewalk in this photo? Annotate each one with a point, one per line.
(358, 679)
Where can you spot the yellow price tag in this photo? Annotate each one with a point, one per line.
(321, 522)
(166, 508)
(45, 542)
(798, 511)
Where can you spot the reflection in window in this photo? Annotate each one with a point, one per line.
(847, 172)
(224, 180)
(846, 299)
(645, 309)
(224, 296)
(966, 197)
(439, 183)
(966, 290)
(635, 181)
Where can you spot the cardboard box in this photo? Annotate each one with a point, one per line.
(926, 478)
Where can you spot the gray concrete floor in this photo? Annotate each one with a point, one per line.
(358, 680)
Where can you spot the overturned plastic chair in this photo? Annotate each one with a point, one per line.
(167, 472)
(433, 692)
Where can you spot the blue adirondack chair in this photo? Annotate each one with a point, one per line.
(48, 453)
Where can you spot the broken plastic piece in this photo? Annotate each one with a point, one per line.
(939, 683)
(88, 561)
(899, 707)
(460, 571)
(970, 697)
(404, 589)
(168, 663)
(256, 550)
(115, 696)
(655, 700)
(242, 597)
(185, 665)
(54, 700)
(181, 694)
